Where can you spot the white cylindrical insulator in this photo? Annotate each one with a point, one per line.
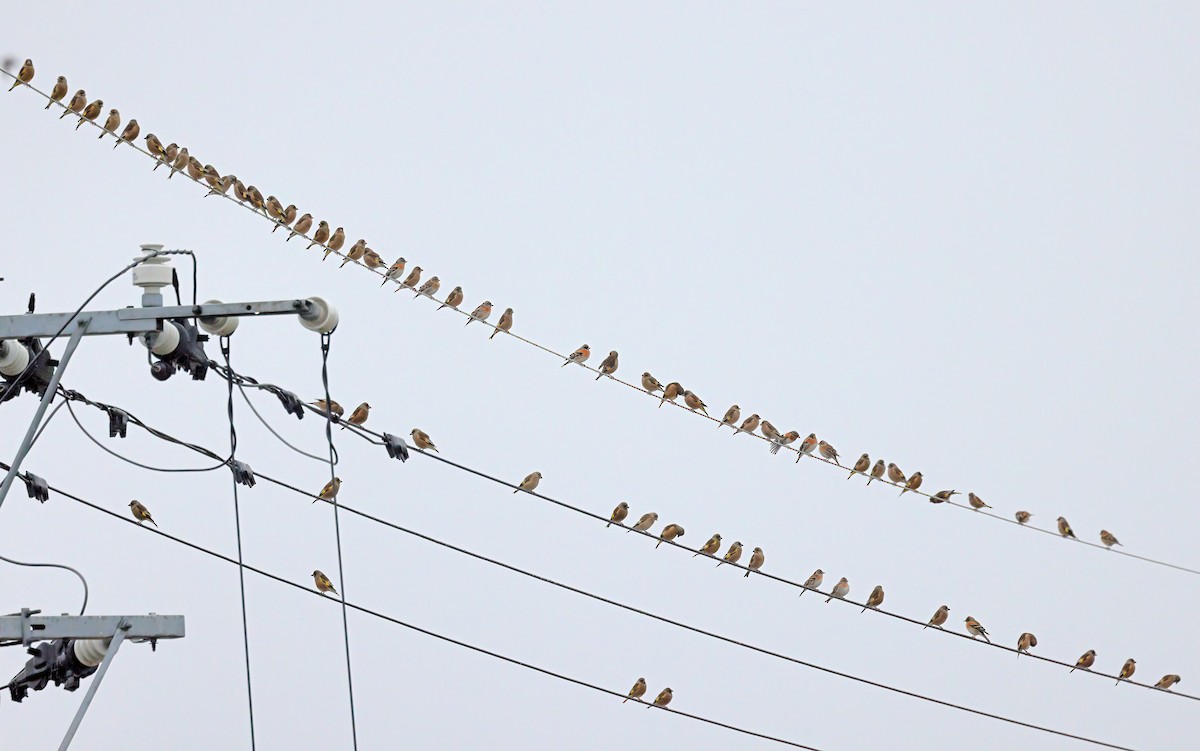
(14, 358)
(218, 325)
(90, 652)
(162, 343)
(153, 273)
(322, 317)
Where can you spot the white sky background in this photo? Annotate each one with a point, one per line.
(960, 239)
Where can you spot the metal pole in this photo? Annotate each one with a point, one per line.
(76, 336)
(118, 637)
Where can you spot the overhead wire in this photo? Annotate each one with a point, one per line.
(82, 580)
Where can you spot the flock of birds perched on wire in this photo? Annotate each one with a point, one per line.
(178, 159)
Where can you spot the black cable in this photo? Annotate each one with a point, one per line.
(46, 424)
(107, 450)
(275, 433)
(237, 516)
(337, 529)
(83, 607)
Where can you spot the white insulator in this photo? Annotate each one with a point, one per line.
(321, 317)
(153, 272)
(90, 652)
(162, 343)
(14, 358)
(218, 325)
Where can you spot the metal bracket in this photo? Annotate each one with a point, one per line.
(113, 645)
(38, 489)
(242, 474)
(396, 447)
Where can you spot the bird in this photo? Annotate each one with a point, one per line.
(76, 105)
(757, 558)
(1064, 528)
(429, 288)
(359, 415)
(645, 523)
(732, 555)
(336, 241)
(141, 513)
(58, 92)
(505, 323)
(421, 438)
(829, 452)
(976, 502)
(131, 132)
(411, 280)
(580, 356)
(639, 688)
(357, 250)
(221, 186)
(731, 416)
(195, 171)
(481, 313)
(330, 491)
(1085, 661)
(807, 446)
(710, 547)
(670, 393)
(1022, 516)
(895, 475)
(693, 402)
(211, 176)
(330, 407)
(302, 226)
(154, 146)
(181, 161)
(111, 122)
(1167, 681)
(663, 699)
(1107, 538)
(669, 532)
(786, 439)
(289, 216)
(530, 483)
(650, 383)
(168, 158)
(453, 299)
(239, 192)
(608, 365)
(814, 581)
(861, 466)
(876, 471)
(939, 616)
(943, 495)
(322, 582)
(913, 483)
(274, 207)
(749, 425)
(371, 259)
(1126, 671)
(618, 514)
(321, 235)
(875, 599)
(975, 628)
(90, 112)
(840, 590)
(24, 75)
(1024, 642)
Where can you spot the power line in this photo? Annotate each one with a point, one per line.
(83, 581)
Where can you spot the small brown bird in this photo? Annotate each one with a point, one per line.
(645, 523)
(91, 112)
(421, 438)
(289, 216)
(650, 383)
(481, 312)
(371, 259)
(76, 105)
(1126, 671)
(639, 688)
(807, 446)
(669, 532)
(860, 467)
(1167, 681)
(111, 122)
(359, 415)
(788, 439)
(757, 558)
(943, 495)
(410, 281)
(195, 171)
(608, 365)
(670, 393)
(24, 75)
(711, 547)
(181, 160)
(321, 235)
(303, 225)
(429, 288)
(976, 502)
(618, 514)
(530, 483)
(1107, 538)
(693, 402)
(732, 555)
(325, 408)
(1064, 528)
(154, 146)
(840, 590)
(330, 491)
(913, 483)
(732, 415)
(580, 356)
(1085, 662)
(394, 272)
(664, 698)
(210, 175)
(357, 250)
(131, 132)
(335, 242)
(813, 582)
(876, 471)
(975, 628)
(453, 299)
(323, 583)
(829, 452)
(749, 425)
(239, 190)
(220, 187)
(895, 475)
(1022, 516)
(939, 616)
(58, 92)
(1025, 641)
(505, 323)
(274, 208)
(875, 599)
(141, 513)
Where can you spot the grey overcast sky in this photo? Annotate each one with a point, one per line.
(961, 237)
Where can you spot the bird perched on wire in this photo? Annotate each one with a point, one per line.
(321, 235)
(330, 491)
(421, 438)
(664, 698)
(359, 415)
(196, 171)
(749, 425)
(860, 467)
(976, 502)
(732, 555)
(429, 288)
(480, 313)
(1064, 528)
(169, 156)
(578, 356)
(90, 112)
(608, 365)
(939, 616)
(619, 514)
(336, 241)
(141, 513)
(710, 547)
(1024, 642)
(829, 452)
(505, 323)
(650, 383)
(814, 581)
(58, 92)
(289, 216)
(182, 159)
(786, 439)
(840, 590)
(1085, 661)
(302, 226)
(693, 402)
(913, 483)
(371, 259)
(357, 250)
(410, 281)
(76, 105)
(943, 495)
(1126, 671)
(274, 208)
(875, 599)
(322, 582)
(639, 688)
(645, 523)
(131, 132)
(154, 146)
(670, 393)
(895, 475)
(731, 417)
(24, 75)
(239, 191)
(1167, 681)
(669, 533)
(111, 123)
(221, 186)
(807, 446)
(1022, 516)
(757, 558)
(876, 471)
(326, 408)
(453, 299)
(1107, 538)
(530, 483)
(975, 628)
(394, 272)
